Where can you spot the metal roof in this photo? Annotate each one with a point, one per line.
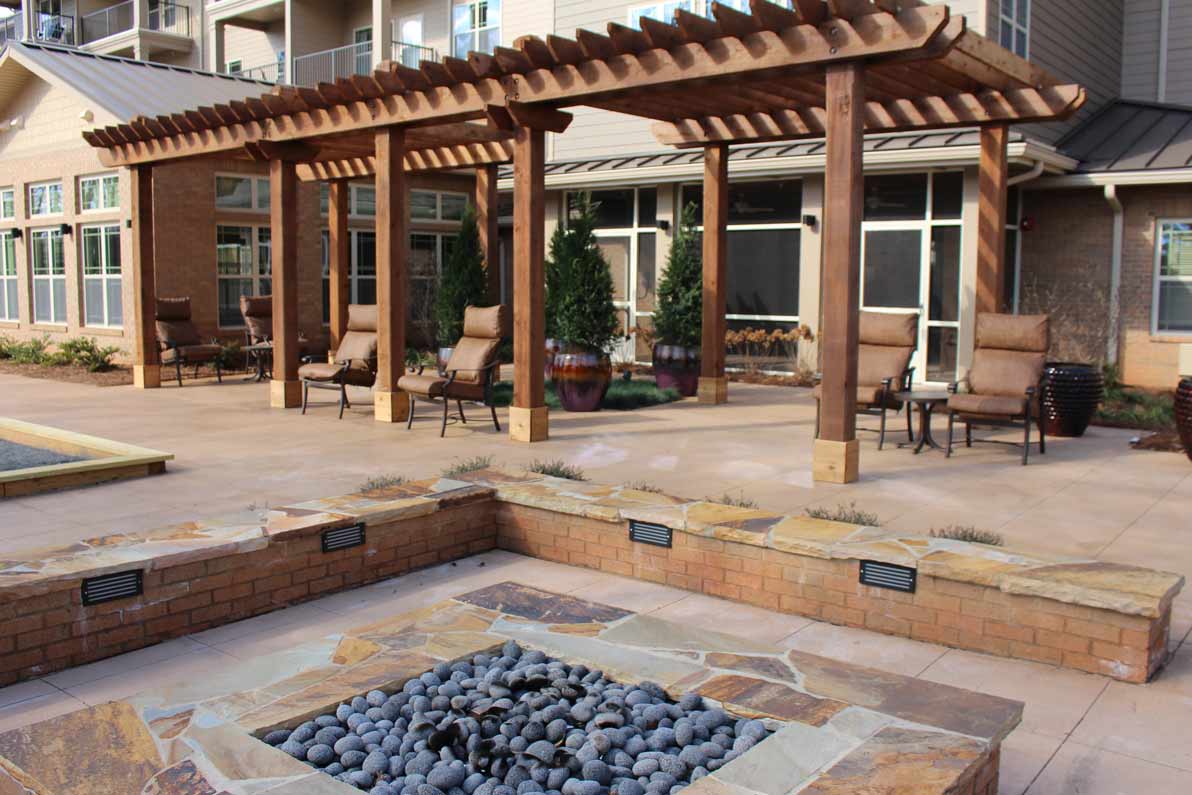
(126, 88)
(1132, 136)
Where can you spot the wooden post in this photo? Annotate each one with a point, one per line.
(835, 457)
(338, 258)
(390, 404)
(713, 386)
(528, 421)
(147, 359)
(487, 217)
(285, 390)
(991, 219)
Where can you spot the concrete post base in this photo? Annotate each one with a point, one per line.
(835, 462)
(713, 390)
(391, 406)
(529, 425)
(285, 394)
(146, 376)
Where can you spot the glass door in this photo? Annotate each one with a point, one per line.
(362, 38)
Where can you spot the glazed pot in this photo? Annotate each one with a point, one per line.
(1070, 396)
(582, 379)
(1183, 414)
(552, 349)
(676, 367)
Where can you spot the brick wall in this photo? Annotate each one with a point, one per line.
(52, 630)
(950, 613)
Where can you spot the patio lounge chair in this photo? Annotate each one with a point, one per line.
(355, 362)
(469, 373)
(1003, 383)
(258, 318)
(887, 343)
(179, 339)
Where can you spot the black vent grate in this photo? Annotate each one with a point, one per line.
(658, 535)
(110, 587)
(888, 575)
(343, 537)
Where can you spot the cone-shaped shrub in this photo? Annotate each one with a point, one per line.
(678, 317)
(464, 282)
(580, 290)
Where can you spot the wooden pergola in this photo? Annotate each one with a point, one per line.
(834, 70)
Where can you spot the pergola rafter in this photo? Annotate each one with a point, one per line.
(831, 70)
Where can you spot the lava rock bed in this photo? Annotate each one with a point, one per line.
(520, 723)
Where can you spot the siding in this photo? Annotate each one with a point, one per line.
(1140, 50)
(526, 17)
(436, 21)
(253, 47)
(315, 26)
(1179, 52)
(974, 12)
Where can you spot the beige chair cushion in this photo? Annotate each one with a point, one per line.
(173, 309)
(324, 372)
(885, 328)
(424, 385)
(866, 395)
(1013, 332)
(876, 363)
(177, 333)
(1001, 372)
(987, 405)
(192, 354)
(357, 346)
(258, 316)
(362, 317)
(487, 322)
(470, 357)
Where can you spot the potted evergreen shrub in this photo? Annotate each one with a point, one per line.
(559, 255)
(463, 283)
(678, 316)
(585, 318)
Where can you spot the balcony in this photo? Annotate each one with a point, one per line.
(169, 18)
(269, 73)
(11, 29)
(55, 29)
(352, 59)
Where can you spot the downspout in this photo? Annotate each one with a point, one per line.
(1032, 173)
(1115, 272)
(1026, 176)
(1161, 77)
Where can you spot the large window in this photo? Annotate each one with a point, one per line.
(1014, 20)
(665, 11)
(102, 301)
(49, 276)
(362, 270)
(45, 199)
(1173, 278)
(475, 25)
(234, 192)
(243, 266)
(428, 206)
(99, 193)
(8, 205)
(9, 303)
(910, 252)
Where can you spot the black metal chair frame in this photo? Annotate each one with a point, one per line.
(888, 392)
(165, 346)
(1010, 422)
(338, 382)
(489, 375)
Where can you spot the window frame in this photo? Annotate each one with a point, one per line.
(9, 278)
(105, 276)
(47, 184)
(100, 179)
(1016, 26)
(256, 274)
(473, 29)
(234, 67)
(11, 193)
(1159, 279)
(257, 203)
(354, 275)
(48, 233)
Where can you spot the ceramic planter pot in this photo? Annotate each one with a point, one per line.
(676, 367)
(552, 349)
(1183, 414)
(582, 379)
(1070, 396)
(444, 355)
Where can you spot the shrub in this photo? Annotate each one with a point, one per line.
(558, 469)
(463, 282)
(86, 352)
(850, 514)
(740, 501)
(644, 485)
(969, 533)
(381, 482)
(34, 351)
(582, 292)
(6, 342)
(468, 465)
(678, 318)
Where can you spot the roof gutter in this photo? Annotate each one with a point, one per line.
(1115, 272)
(1026, 176)
(1096, 179)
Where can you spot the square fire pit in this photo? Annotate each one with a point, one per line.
(796, 722)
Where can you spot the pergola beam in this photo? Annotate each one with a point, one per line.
(416, 161)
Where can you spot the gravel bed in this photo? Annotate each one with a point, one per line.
(22, 456)
(519, 723)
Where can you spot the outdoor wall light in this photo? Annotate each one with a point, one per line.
(810, 221)
(664, 225)
(17, 234)
(66, 229)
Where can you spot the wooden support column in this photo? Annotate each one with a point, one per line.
(338, 257)
(713, 385)
(285, 391)
(391, 404)
(147, 359)
(991, 219)
(528, 421)
(835, 456)
(487, 217)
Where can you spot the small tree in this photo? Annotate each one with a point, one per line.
(678, 318)
(582, 289)
(463, 283)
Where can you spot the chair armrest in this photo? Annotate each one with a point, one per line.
(953, 387)
(818, 377)
(908, 379)
(308, 359)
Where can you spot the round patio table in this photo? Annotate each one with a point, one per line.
(261, 355)
(926, 400)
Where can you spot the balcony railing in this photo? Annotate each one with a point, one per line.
(164, 17)
(11, 29)
(55, 28)
(412, 54)
(269, 73)
(330, 65)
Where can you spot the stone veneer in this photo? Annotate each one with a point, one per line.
(839, 729)
(1085, 614)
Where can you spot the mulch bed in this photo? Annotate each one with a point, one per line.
(1160, 441)
(118, 376)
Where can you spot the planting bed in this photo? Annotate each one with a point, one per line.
(518, 722)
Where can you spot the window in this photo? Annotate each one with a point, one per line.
(241, 193)
(8, 205)
(1015, 26)
(243, 266)
(99, 193)
(9, 303)
(475, 25)
(1173, 278)
(430, 206)
(234, 67)
(663, 12)
(362, 269)
(49, 276)
(45, 199)
(102, 301)
(364, 201)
